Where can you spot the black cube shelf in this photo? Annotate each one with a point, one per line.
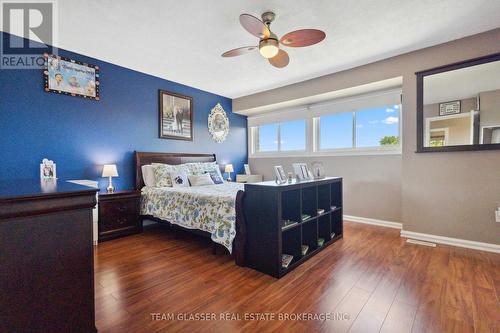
(276, 224)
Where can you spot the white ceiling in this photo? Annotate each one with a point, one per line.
(182, 40)
(461, 83)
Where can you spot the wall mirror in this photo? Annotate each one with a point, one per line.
(458, 106)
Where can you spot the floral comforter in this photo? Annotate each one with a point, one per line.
(209, 208)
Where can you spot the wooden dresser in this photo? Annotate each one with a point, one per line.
(46, 257)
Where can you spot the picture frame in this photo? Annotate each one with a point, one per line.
(247, 169)
(48, 170)
(71, 77)
(301, 171)
(452, 107)
(175, 116)
(218, 124)
(318, 170)
(280, 174)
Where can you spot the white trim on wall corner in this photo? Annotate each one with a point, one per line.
(382, 223)
(452, 241)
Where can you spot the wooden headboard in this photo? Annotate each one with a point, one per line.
(144, 158)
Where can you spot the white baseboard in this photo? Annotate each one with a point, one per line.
(452, 241)
(367, 220)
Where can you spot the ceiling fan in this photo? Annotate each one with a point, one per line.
(268, 41)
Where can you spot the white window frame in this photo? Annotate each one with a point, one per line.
(254, 141)
(313, 132)
(354, 150)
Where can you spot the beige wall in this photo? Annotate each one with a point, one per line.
(490, 107)
(372, 184)
(448, 194)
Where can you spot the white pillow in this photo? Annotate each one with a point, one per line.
(200, 180)
(179, 179)
(148, 175)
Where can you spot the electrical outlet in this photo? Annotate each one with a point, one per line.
(497, 214)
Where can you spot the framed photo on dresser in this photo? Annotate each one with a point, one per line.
(47, 170)
(176, 116)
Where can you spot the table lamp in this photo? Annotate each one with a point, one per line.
(229, 169)
(109, 170)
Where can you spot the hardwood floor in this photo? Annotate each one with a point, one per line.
(372, 280)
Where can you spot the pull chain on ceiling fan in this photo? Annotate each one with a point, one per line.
(269, 44)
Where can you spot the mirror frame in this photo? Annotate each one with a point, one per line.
(420, 105)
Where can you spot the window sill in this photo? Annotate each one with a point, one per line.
(337, 152)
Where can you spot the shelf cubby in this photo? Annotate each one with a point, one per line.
(310, 234)
(337, 222)
(291, 243)
(324, 228)
(266, 205)
(290, 205)
(309, 201)
(336, 195)
(324, 197)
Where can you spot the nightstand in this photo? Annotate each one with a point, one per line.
(248, 178)
(119, 214)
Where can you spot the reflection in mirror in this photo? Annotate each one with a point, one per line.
(462, 106)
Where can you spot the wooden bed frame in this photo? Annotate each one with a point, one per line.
(144, 158)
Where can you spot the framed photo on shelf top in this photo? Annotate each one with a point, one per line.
(70, 77)
(301, 171)
(279, 172)
(176, 116)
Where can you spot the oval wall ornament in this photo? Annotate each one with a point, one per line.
(218, 124)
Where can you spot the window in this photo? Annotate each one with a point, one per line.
(280, 137)
(267, 138)
(365, 128)
(293, 135)
(364, 124)
(335, 131)
(377, 127)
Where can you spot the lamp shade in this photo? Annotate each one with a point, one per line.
(109, 170)
(229, 168)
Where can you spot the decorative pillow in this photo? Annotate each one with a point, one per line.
(148, 175)
(216, 176)
(184, 169)
(199, 168)
(179, 179)
(200, 180)
(214, 170)
(195, 168)
(162, 173)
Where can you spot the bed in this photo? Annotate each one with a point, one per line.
(213, 211)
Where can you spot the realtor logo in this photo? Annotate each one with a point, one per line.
(29, 32)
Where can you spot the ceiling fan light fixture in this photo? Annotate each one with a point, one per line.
(269, 47)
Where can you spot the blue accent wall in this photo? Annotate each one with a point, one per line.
(81, 135)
